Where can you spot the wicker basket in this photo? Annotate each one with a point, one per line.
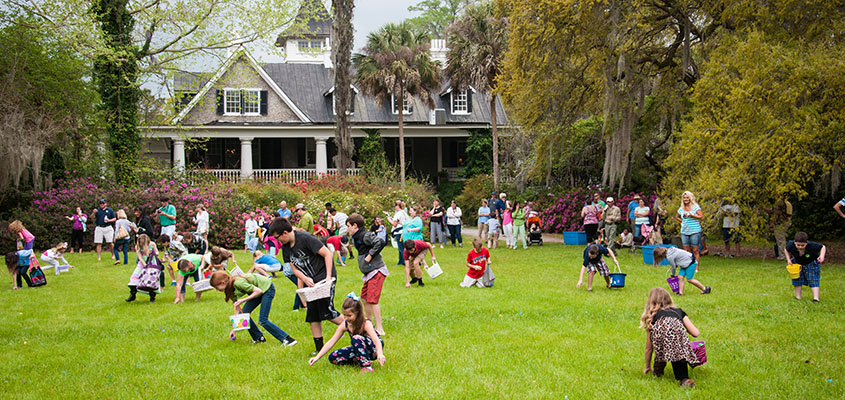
(319, 291)
(202, 285)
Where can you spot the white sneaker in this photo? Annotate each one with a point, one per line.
(441, 246)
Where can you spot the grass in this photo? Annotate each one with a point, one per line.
(534, 335)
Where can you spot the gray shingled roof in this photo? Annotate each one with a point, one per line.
(312, 21)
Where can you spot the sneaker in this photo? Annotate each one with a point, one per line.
(441, 246)
(461, 245)
(172, 283)
(706, 290)
(815, 300)
(289, 341)
(259, 340)
(729, 256)
(421, 284)
(366, 370)
(414, 280)
(687, 383)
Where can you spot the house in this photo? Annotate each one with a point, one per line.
(276, 120)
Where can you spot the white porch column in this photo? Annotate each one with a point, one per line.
(322, 159)
(246, 158)
(179, 154)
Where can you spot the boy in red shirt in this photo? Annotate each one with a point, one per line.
(415, 253)
(477, 261)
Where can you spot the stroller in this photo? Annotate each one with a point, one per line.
(535, 229)
(644, 238)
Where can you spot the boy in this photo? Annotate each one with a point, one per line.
(593, 262)
(337, 244)
(339, 219)
(371, 264)
(174, 250)
(189, 266)
(477, 261)
(265, 263)
(414, 255)
(311, 262)
(810, 255)
(492, 233)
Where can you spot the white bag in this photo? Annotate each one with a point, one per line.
(434, 271)
(489, 277)
(202, 285)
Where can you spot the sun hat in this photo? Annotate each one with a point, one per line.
(299, 206)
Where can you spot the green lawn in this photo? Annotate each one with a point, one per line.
(531, 336)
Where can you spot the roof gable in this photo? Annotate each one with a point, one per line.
(312, 21)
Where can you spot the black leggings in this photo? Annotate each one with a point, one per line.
(23, 272)
(591, 230)
(76, 239)
(680, 370)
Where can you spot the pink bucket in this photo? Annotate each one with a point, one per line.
(673, 284)
(700, 352)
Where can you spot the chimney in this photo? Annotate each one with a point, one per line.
(438, 50)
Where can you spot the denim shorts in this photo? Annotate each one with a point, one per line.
(693, 240)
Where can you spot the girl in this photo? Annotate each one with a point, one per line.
(52, 257)
(201, 219)
(265, 263)
(690, 216)
(687, 263)
(507, 226)
(666, 336)
(144, 250)
(366, 343)
(413, 227)
(17, 262)
(379, 229)
(121, 223)
(23, 235)
(78, 229)
(483, 216)
(518, 215)
(251, 228)
(259, 291)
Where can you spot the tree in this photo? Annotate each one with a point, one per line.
(478, 160)
(374, 164)
(396, 63)
(341, 57)
(436, 15)
(477, 43)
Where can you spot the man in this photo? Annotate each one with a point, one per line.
(306, 221)
(104, 232)
(612, 215)
(311, 262)
(632, 207)
(283, 210)
(500, 206)
(167, 217)
(839, 206)
(730, 226)
(493, 203)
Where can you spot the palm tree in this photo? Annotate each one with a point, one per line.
(396, 62)
(477, 43)
(341, 51)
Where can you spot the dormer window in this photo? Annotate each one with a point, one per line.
(349, 110)
(310, 45)
(406, 105)
(249, 102)
(460, 102)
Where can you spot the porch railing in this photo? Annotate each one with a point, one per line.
(271, 175)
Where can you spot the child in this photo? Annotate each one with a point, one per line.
(145, 250)
(260, 292)
(666, 336)
(190, 265)
(195, 243)
(810, 255)
(220, 256)
(371, 264)
(379, 229)
(25, 238)
(626, 239)
(492, 233)
(174, 251)
(17, 262)
(477, 261)
(337, 245)
(52, 256)
(680, 259)
(594, 262)
(250, 229)
(414, 255)
(366, 343)
(265, 263)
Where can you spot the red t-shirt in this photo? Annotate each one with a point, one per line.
(479, 260)
(334, 241)
(419, 247)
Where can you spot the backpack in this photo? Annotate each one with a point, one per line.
(148, 280)
(36, 275)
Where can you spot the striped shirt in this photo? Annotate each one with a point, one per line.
(689, 225)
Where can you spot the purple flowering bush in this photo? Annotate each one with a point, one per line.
(561, 212)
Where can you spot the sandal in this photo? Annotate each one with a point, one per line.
(687, 383)
(706, 290)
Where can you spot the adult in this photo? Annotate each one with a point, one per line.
(435, 224)
(630, 217)
(122, 225)
(641, 214)
(453, 223)
(104, 232)
(306, 221)
(339, 219)
(283, 210)
(397, 222)
(730, 227)
(311, 263)
(202, 220)
(166, 217)
(590, 213)
(77, 229)
(143, 225)
(612, 215)
(501, 206)
(690, 216)
(413, 226)
(781, 220)
(839, 206)
(507, 225)
(518, 215)
(483, 216)
(492, 202)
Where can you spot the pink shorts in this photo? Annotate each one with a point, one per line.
(371, 292)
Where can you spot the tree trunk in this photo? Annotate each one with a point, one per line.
(495, 143)
(401, 110)
(341, 57)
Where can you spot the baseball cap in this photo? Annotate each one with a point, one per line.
(102, 201)
(298, 206)
(610, 199)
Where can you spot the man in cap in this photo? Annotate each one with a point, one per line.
(104, 232)
(306, 221)
(612, 215)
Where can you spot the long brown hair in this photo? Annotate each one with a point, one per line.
(658, 299)
(659, 255)
(222, 276)
(357, 309)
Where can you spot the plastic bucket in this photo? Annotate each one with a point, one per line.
(617, 280)
(700, 351)
(794, 270)
(648, 253)
(575, 238)
(239, 322)
(673, 284)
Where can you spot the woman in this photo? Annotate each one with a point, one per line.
(143, 224)
(483, 216)
(77, 229)
(690, 216)
(435, 226)
(591, 219)
(518, 215)
(121, 225)
(453, 223)
(398, 221)
(201, 219)
(413, 227)
(507, 226)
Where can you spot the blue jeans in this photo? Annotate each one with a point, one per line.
(266, 301)
(455, 233)
(401, 248)
(121, 244)
(195, 275)
(637, 230)
(436, 232)
(693, 240)
(297, 302)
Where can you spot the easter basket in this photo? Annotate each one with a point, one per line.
(794, 270)
(202, 286)
(674, 283)
(321, 290)
(239, 322)
(434, 270)
(700, 352)
(617, 279)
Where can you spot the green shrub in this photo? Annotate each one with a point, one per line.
(469, 201)
(448, 191)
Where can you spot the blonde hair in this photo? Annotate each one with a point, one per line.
(658, 299)
(121, 214)
(143, 243)
(16, 226)
(692, 201)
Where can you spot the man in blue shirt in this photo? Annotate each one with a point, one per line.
(632, 206)
(284, 211)
(493, 203)
(104, 232)
(501, 204)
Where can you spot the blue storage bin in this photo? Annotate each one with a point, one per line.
(648, 253)
(575, 238)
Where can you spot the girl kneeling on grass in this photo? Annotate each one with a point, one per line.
(683, 259)
(666, 336)
(366, 343)
(259, 291)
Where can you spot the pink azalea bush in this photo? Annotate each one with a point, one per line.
(561, 212)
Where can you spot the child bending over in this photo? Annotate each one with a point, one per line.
(367, 345)
(265, 264)
(666, 337)
(18, 264)
(52, 257)
(810, 255)
(24, 237)
(414, 255)
(175, 250)
(593, 262)
(683, 259)
(189, 266)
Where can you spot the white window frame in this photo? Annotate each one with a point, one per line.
(226, 93)
(241, 92)
(406, 105)
(301, 48)
(334, 100)
(454, 97)
(257, 93)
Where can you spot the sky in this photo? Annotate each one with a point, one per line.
(370, 15)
